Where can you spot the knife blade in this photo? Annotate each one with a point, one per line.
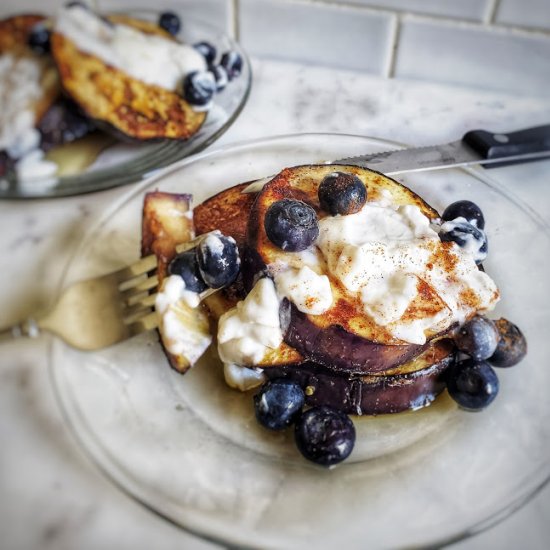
(489, 149)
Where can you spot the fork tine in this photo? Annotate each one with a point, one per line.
(149, 263)
(148, 322)
(147, 302)
(139, 314)
(135, 286)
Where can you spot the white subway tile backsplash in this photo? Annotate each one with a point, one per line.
(530, 13)
(337, 36)
(473, 56)
(466, 9)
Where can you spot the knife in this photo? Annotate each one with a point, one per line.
(476, 147)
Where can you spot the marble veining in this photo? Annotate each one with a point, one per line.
(52, 496)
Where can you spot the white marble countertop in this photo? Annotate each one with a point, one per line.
(52, 496)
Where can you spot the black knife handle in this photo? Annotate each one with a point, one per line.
(492, 145)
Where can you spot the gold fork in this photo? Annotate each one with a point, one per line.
(96, 313)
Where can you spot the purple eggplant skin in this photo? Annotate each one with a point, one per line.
(62, 123)
(6, 163)
(340, 350)
(369, 395)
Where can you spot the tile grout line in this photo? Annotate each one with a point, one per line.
(396, 31)
(234, 19)
(485, 23)
(491, 12)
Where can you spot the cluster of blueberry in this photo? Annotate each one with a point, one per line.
(199, 87)
(323, 434)
(472, 382)
(213, 263)
(292, 224)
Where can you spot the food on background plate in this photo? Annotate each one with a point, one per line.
(115, 76)
(336, 291)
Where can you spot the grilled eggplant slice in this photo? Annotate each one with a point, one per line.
(410, 386)
(120, 104)
(343, 338)
(165, 223)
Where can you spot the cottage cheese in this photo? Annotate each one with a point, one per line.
(153, 59)
(384, 255)
(20, 91)
(249, 329)
(183, 327)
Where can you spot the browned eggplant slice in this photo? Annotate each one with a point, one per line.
(412, 386)
(119, 103)
(165, 223)
(343, 338)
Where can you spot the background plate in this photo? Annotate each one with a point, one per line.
(189, 448)
(124, 163)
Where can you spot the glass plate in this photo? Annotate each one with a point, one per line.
(123, 163)
(189, 447)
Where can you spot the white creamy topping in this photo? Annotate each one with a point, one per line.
(181, 333)
(382, 253)
(20, 91)
(248, 330)
(308, 291)
(150, 58)
(243, 378)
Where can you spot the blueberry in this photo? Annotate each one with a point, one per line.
(207, 50)
(291, 225)
(467, 236)
(218, 260)
(468, 210)
(342, 193)
(170, 22)
(472, 384)
(511, 347)
(325, 435)
(39, 39)
(186, 266)
(278, 403)
(199, 88)
(232, 62)
(220, 76)
(478, 338)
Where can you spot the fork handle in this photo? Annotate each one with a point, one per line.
(28, 328)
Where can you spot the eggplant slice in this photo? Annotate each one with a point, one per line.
(343, 338)
(410, 386)
(126, 107)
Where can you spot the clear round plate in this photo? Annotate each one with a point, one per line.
(122, 163)
(189, 448)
